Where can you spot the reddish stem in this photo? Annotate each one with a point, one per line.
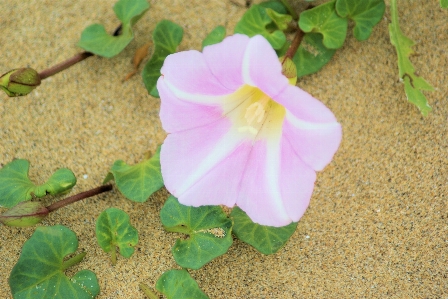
(79, 196)
(64, 65)
(294, 45)
(71, 61)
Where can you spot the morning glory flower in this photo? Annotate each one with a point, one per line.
(239, 133)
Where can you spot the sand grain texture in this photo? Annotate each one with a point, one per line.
(377, 223)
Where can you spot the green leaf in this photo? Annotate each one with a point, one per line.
(444, 3)
(275, 5)
(208, 228)
(257, 21)
(266, 239)
(214, 37)
(113, 229)
(413, 84)
(137, 182)
(281, 20)
(15, 185)
(366, 14)
(178, 284)
(39, 272)
(166, 38)
(324, 20)
(312, 55)
(95, 39)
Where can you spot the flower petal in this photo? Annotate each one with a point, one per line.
(259, 195)
(261, 67)
(314, 143)
(221, 184)
(304, 106)
(178, 115)
(225, 60)
(188, 156)
(188, 76)
(296, 182)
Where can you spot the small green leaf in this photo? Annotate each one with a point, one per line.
(113, 229)
(413, 84)
(208, 228)
(324, 19)
(266, 239)
(366, 14)
(95, 39)
(15, 185)
(281, 20)
(444, 3)
(39, 272)
(178, 284)
(312, 55)
(275, 5)
(166, 38)
(137, 182)
(214, 37)
(257, 21)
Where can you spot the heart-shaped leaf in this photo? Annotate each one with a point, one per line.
(366, 14)
(95, 39)
(324, 20)
(208, 228)
(137, 182)
(16, 186)
(312, 55)
(113, 229)
(214, 37)
(39, 272)
(266, 239)
(257, 21)
(178, 284)
(166, 38)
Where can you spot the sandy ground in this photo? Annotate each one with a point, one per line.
(377, 223)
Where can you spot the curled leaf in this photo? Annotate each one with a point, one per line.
(15, 185)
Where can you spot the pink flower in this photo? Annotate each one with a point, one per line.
(239, 133)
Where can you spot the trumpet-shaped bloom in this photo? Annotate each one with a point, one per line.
(239, 133)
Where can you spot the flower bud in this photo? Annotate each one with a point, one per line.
(289, 69)
(26, 213)
(19, 82)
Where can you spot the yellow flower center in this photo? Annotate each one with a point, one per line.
(254, 113)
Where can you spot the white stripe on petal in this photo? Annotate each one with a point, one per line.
(198, 98)
(220, 152)
(273, 161)
(305, 125)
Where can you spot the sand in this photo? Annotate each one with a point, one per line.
(377, 223)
